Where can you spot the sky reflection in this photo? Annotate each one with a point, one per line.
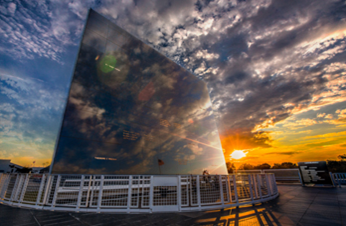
(134, 107)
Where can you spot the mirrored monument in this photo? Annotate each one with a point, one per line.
(131, 110)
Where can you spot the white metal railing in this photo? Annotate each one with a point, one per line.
(135, 193)
(280, 174)
(340, 178)
(294, 175)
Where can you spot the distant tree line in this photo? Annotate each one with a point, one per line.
(337, 166)
(333, 165)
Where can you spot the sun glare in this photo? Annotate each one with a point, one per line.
(238, 154)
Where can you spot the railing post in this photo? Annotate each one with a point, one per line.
(88, 193)
(80, 193)
(129, 194)
(179, 193)
(341, 178)
(14, 190)
(250, 186)
(274, 184)
(2, 180)
(332, 179)
(151, 193)
(25, 184)
(229, 190)
(198, 192)
(259, 182)
(92, 190)
(5, 187)
(40, 189)
(191, 189)
(300, 178)
(235, 189)
(255, 188)
(337, 179)
(268, 182)
(56, 190)
(221, 191)
(57, 185)
(99, 200)
(16, 187)
(48, 189)
(2, 183)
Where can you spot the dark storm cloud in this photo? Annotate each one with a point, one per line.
(235, 77)
(245, 97)
(231, 47)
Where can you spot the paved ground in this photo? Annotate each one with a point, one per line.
(296, 205)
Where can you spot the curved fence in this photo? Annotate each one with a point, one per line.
(135, 193)
(280, 174)
(339, 178)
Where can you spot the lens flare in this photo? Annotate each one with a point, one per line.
(238, 154)
(108, 63)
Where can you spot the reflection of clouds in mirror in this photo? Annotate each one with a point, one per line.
(188, 152)
(147, 92)
(194, 148)
(95, 40)
(73, 168)
(148, 109)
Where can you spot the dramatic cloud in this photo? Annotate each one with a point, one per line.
(31, 29)
(265, 62)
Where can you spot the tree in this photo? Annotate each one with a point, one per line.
(342, 157)
(230, 167)
(263, 166)
(285, 165)
(246, 166)
(336, 166)
(289, 165)
(276, 166)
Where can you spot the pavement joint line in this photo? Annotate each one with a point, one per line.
(23, 224)
(44, 221)
(78, 219)
(340, 212)
(59, 222)
(312, 201)
(35, 218)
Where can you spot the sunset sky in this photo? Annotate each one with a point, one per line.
(276, 70)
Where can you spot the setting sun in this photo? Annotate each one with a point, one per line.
(238, 154)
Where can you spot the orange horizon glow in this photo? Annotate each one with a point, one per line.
(29, 161)
(295, 139)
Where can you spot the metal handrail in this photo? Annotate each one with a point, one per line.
(135, 193)
(340, 178)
